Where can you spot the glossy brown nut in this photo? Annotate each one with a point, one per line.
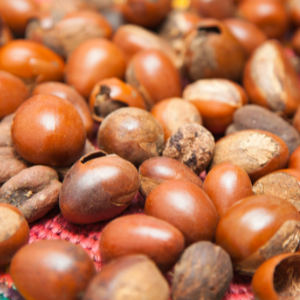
(66, 35)
(276, 278)
(173, 113)
(293, 172)
(65, 270)
(220, 55)
(92, 61)
(248, 34)
(153, 74)
(258, 228)
(140, 234)
(216, 9)
(98, 188)
(17, 13)
(70, 94)
(216, 101)
(257, 152)
(294, 162)
(135, 274)
(110, 94)
(13, 92)
(187, 207)
(31, 61)
(132, 133)
(267, 66)
(270, 16)
(14, 232)
(48, 130)
(145, 13)
(132, 38)
(226, 184)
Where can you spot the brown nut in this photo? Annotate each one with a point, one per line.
(197, 274)
(133, 277)
(294, 162)
(257, 152)
(64, 269)
(191, 145)
(67, 34)
(258, 228)
(257, 117)
(132, 133)
(5, 131)
(216, 101)
(14, 232)
(97, 188)
(34, 191)
(140, 234)
(270, 80)
(213, 52)
(296, 42)
(157, 170)
(276, 278)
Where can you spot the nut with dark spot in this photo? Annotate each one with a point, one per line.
(192, 145)
(34, 191)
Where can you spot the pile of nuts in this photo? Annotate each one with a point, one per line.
(101, 100)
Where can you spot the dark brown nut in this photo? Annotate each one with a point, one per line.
(157, 170)
(213, 52)
(63, 270)
(257, 117)
(197, 274)
(279, 184)
(132, 133)
(5, 131)
(130, 277)
(277, 278)
(191, 145)
(257, 152)
(34, 191)
(270, 80)
(11, 163)
(216, 101)
(14, 232)
(66, 35)
(98, 188)
(140, 234)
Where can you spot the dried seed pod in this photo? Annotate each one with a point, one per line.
(156, 170)
(258, 228)
(257, 152)
(14, 232)
(34, 191)
(197, 274)
(213, 52)
(11, 163)
(278, 278)
(133, 277)
(270, 80)
(5, 131)
(257, 117)
(132, 133)
(191, 145)
(66, 35)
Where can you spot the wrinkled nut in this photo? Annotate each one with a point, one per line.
(34, 191)
(131, 277)
(278, 278)
(279, 184)
(191, 145)
(257, 152)
(132, 133)
(97, 188)
(258, 228)
(14, 232)
(257, 117)
(270, 80)
(5, 131)
(197, 274)
(11, 163)
(157, 170)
